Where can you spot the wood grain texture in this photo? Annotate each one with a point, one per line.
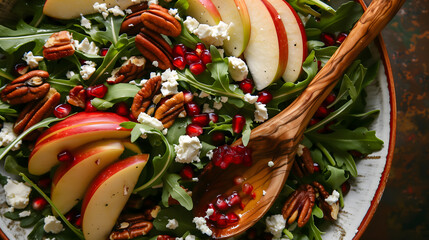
(277, 139)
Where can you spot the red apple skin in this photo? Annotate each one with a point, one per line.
(301, 27)
(211, 10)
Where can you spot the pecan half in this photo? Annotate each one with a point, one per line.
(153, 47)
(59, 45)
(77, 96)
(131, 226)
(168, 111)
(299, 205)
(157, 19)
(26, 88)
(35, 111)
(130, 70)
(303, 165)
(330, 212)
(144, 97)
(132, 23)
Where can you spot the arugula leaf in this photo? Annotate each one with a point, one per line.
(171, 187)
(6, 110)
(64, 86)
(334, 176)
(111, 26)
(246, 131)
(11, 166)
(38, 232)
(345, 160)
(182, 6)
(184, 217)
(185, 37)
(6, 75)
(314, 232)
(304, 6)
(116, 93)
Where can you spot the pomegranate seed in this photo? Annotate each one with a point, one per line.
(39, 203)
(179, 50)
(65, 156)
(345, 187)
(264, 97)
(321, 112)
(132, 118)
(232, 217)
(89, 107)
(246, 85)
(247, 159)
(192, 108)
(72, 215)
(197, 68)
(179, 62)
(247, 188)
(62, 110)
(221, 204)
(188, 96)
(44, 182)
(191, 57)
(222, 221)
(206, 57)
(328, 39)
(122, 109)
(330, 99)
(234, 199)
(316, 167)
(218, 138)
(98, 91)
(21, 68)
(313, 121)
(199, 49)
(201, 119)
(238, 180)
(213, 117)
(253, 195)
(238, 122)
(103, 51)
(194, 130)
(340, 38)
(187, 172)
(78, 222)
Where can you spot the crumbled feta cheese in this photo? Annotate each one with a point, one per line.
(24, 214)
(221, 52)
(154, 74)
(299, 150)
(86, 46)
(175, 13)
(128, 11)
(264, 192)
(7, 136)
(188, 149)
(52, 225)
(275, 225)
(237, 68)
(165, 131)
(124, 58)
(87, 69)
(149, 2)
(169, 82)
(31, 60)
(211, 35)
(148, 120)
(209, 212)
(250, 98)
(201, 225)
(270, 164)
(155, 63)
(195, 179)
(116, 11)
(217, 105)
(70, 74)
(84, 22)
(191, 24)
(172, 224)
(10, 209)
(209, 154)
(207, 109)
(261, 113)
(333, 198)
(189, 237)
(223, 99)
(17, 194)
(204, 95)
(100, 7)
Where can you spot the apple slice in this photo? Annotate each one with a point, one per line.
(73, 132)
(68, 9)
(297, 40)
(72, 178)
(204, 11)
(267, 52)
(108, 194)
(132, 147)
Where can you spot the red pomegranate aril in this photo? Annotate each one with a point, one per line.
(206, 57)
(194, 130)
(264, 97)
(330, 99)
(122, 109)
(246, 85)
(21, 68)
(234, 199)
(238, 122)
(316, 167)
(197, 68)
(213, 117)
(221, 204)
(222, 221)
(39, 203)
(191, 57)
(328, 39)
(62, 110)
(187, 173)
(218, 138)
(232, 217)
(65, 156)
(132, 118)
(238, 180)
(247, 188)
(199, 49)
(44, 182)
(345, 187)
(179, 62)
(247, 159)
(103, 51)
(322, 112)
(192, 109)
(201, 119)
(313, 121)
(89, 107)
(78, 222)
(188, 96)
(253, 195)
(98, 91)
(179, 50)
(340, 38)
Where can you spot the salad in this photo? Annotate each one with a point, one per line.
(112, 110)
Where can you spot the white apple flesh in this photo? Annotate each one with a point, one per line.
(267, 52)
(204, 11)
(107, 196)
(235, 12)
(72, 178)
(297, 40)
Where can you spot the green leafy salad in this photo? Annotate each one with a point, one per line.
(110, 112)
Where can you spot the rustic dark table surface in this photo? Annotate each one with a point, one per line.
(403, 212)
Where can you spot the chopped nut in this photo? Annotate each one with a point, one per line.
(303, 165)
(77, 96)
(157, 19)
(132, 69)
(299, 205)
(153, 47)
(144, 97)
(170, 109)
(59, 45)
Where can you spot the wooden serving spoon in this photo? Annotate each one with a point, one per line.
(277, 139)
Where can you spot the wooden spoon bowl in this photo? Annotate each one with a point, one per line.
(277, 139)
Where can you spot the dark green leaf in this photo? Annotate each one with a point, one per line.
(182, 215)
(345, 160)
(172, 188)
(120, 92)
(38, 231)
